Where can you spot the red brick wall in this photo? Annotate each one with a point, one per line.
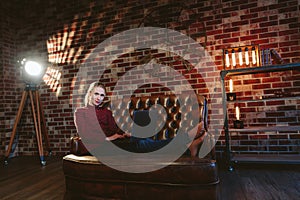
(9, 91)
(67, 31)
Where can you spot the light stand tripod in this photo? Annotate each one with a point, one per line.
(38, 118)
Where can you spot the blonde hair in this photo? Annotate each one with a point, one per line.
(87, 99)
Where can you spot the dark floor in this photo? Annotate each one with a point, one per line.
(261, 182)
(24, 178)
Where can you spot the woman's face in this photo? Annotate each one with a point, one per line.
(97, 96)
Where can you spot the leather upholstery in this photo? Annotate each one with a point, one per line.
(176, 114)
(187, 178)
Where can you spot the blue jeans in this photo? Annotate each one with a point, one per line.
(140, 145)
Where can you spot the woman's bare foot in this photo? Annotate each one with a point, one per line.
(198, 134)
(196, 131)
(195, 145)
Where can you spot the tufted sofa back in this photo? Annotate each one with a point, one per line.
(180, 113)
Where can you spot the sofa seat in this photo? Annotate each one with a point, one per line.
(185, 178)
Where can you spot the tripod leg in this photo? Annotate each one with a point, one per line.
(44, 129)
(37, 129)
(18, 117)
(43, 162)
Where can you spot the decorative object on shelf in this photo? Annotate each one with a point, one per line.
(276, 57)
(241, 57)
(265, 57)
(270, 57)
(238, 123)
(231, 96)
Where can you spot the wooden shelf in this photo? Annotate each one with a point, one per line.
(267, 158)
(262, 69)
(266, 129)
(265, 99)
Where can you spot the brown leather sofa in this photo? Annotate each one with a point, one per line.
(186, 178)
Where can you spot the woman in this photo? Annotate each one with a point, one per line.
(94, 102)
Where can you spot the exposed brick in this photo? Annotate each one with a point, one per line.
(288, 32)
(258, 20)
(267, 120)
(251, 81)
(222, 36)
(288, 9)
(281, 85)
(258, 9)
(255, 104)
(288, 21)
(240, 23)
(294, 25)
(261, 86)
(267, 35)
(249, 38)
(287, 119)
(267, 24)
(290, 43)
(274, 17)
(278, 136)
(214, 22)
(257, 31)
(233, 29)
(279, 5)
(277, 148)
(261, 41)
(271, 79)
(272, 103)
(259, 137)
(275, 114)
(239, 148)
(295, 136)
(231, 40)
(249, 142)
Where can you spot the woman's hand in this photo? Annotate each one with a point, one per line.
(127, 135)
(117, 136)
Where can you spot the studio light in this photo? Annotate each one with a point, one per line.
(33, 68)
(32, 72)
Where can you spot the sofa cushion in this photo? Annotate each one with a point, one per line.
(187, 178)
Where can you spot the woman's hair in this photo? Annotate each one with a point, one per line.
(87, 99)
